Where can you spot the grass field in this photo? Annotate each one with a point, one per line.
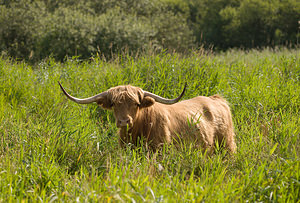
(52, 149)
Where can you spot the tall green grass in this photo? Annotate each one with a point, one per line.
(52, 149)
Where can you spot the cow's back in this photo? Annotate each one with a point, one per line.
(200, 119)
(205, 119)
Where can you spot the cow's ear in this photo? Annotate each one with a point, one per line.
(146, 102)
(105, 103)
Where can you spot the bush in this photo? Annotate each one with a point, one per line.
(245, 23)
(66, 32)
(17, 29)
(36, 29)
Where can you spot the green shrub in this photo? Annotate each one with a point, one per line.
(66, 32)
(37, 29)
(18, 24)
(246, 23)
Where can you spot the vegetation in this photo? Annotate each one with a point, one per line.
(52, 149)
(34, 30)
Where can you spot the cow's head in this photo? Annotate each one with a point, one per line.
(125, 101)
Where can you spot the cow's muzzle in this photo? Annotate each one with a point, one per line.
(124, 122)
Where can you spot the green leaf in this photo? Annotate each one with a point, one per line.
(273, 149)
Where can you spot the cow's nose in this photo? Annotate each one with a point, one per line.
(124, 122)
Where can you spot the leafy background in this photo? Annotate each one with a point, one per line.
(37, 29)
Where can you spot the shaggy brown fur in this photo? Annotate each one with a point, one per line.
(204, 120)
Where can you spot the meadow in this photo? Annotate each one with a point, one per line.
(53, 150)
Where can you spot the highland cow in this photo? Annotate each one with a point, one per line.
(141, 115)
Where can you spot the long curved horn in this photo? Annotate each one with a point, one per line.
(164, 100)
(86, 100)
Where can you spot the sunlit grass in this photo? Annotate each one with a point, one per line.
(54, 149)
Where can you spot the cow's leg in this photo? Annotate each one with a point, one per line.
(230, 143)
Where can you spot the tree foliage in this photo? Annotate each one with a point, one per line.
(36, 29)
